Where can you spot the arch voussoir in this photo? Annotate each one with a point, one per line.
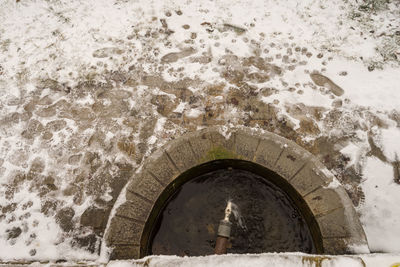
(328, 203)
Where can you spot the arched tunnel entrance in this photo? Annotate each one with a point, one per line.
(290, 200)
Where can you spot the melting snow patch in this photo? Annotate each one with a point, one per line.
(379, 213)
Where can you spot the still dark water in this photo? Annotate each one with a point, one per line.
(189, 223)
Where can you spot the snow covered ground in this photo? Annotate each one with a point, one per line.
(90, 88)
(273, 260)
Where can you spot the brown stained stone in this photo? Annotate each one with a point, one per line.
(125, 252)
(334, 224)
(182, 155)
(165, 105)
(246, 145)
(309, 126)
(322, 80)
(146, 186)
(291, 160)
(127, 147)
(161, 167)
(138, 209)
(323, 201)
(309, 178)
(124, 231)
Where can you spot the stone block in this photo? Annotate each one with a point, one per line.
(124, 231)
(309, 178)
(161, 167)
(291, 160)
(219, 140)
(334, 224)
(210, 145)
(182, 155)
(146, 186)
(323, 200)
(125, 252)
(246, 145)
(201, 144)
(268, 152)
(138, 210)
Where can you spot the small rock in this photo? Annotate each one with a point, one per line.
(236, 29)
(13, 232)
(337, 103)
(94, 217)
(64, 219)
(371, 67)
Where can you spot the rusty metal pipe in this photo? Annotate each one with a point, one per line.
(220, 245)
(224, 232)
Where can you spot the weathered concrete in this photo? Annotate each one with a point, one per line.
(330, 205)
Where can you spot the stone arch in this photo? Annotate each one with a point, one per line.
(339, 226)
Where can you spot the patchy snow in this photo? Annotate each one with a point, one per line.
(389, 141)
(267, 259)
(88, 89)
(379, 214)
(334, 184)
